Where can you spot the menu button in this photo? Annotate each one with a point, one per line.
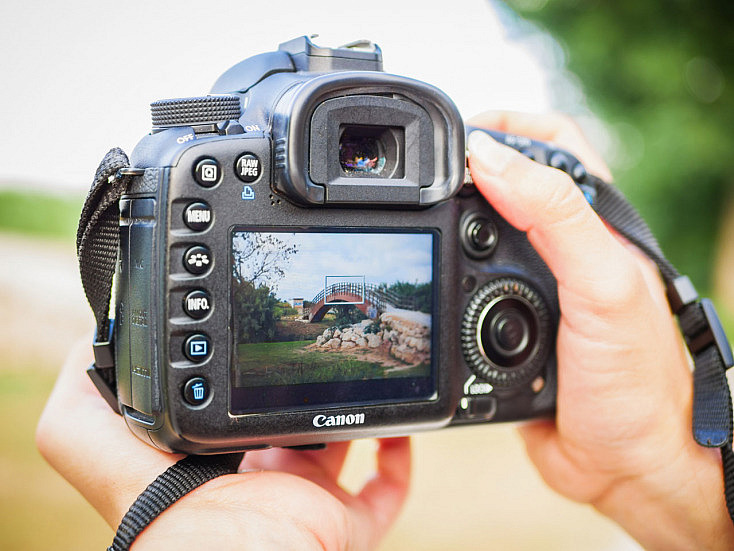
(198, 216)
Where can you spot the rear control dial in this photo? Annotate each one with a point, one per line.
(506, 332)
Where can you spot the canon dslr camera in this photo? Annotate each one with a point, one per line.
(301, 262)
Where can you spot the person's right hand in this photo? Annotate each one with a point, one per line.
(622, 436)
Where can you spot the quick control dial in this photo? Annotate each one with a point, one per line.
(506, 332)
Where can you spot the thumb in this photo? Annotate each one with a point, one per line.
(559, 223)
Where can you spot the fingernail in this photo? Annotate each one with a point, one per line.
(489, 153)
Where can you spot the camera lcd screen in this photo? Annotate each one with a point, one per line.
(338, 317)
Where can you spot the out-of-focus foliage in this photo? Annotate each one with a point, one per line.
(661, 75)
(38, 213)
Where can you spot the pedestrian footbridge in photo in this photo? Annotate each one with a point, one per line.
(371, 299)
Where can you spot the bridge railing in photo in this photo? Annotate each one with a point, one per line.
(377, 296)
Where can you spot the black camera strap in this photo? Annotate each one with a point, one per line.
(98, 241)
(175, 482)
(698, 321)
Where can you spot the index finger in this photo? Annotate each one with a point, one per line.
(547, 127)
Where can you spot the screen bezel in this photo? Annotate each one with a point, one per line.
(318, 396)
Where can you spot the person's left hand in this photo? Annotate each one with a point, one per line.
(280, 499)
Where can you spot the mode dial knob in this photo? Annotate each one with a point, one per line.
(506, 334)
(195, 111)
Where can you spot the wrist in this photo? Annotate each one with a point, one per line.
(677, 508)
(236, 512)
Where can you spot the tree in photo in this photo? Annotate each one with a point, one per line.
(258, 263)
(260, 258)
(255, 312)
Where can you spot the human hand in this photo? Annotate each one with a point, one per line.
(280, 499)
(621, 439)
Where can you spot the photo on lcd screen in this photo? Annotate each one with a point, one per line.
(317, 307)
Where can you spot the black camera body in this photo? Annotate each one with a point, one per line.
(301, 262)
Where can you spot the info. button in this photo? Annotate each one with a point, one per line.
(197, 304)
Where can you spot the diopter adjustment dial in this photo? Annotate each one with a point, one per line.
(506, 333)
(195, 111)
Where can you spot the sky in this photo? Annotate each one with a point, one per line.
(77, 77)
(379, 258)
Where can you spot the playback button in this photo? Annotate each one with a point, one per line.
(197, 348)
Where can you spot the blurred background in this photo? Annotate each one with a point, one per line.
(650, 83)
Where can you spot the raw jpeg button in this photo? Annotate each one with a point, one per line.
(248, 167)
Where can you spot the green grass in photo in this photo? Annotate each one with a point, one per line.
(284, 363)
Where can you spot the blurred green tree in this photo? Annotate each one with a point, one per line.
(660, 74)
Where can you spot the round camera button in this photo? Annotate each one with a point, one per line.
(196, 391)
(197, 348)
(578, 172)
(197, 259)
(198, 216)
(197, 304)
(479, 235)
(248, 167)
(207, 172)
(558, 160)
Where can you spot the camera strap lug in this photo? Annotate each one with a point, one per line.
(123, 172)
